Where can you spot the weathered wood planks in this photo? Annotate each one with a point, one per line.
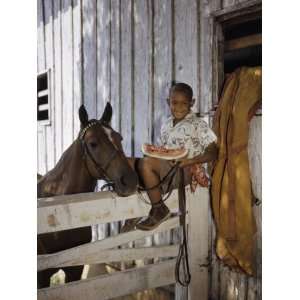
(103, 54)
(142, 75)
(77, 65)
(49, 63)
(106, 256)
(57, 80)
(198, 250)
(162, 56)
(89, 59)
(127, 52)
(67, 72)
(104, 287)
(186, 45)
(73, 211)
(127, 81)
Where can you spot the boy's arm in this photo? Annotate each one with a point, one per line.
(210, 154)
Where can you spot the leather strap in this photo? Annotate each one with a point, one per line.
(183, 251)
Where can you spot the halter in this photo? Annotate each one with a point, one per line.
(86, 153)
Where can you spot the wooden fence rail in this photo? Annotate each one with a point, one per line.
(74, 211)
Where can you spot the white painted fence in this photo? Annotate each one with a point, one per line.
(74, 211)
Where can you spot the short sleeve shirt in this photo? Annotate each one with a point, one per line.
(191, 133)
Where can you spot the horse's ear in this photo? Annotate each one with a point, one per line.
(83, 116)
(107, 114)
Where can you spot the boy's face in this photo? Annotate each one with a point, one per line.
(180, 105)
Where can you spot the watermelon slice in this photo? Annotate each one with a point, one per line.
(164, 153)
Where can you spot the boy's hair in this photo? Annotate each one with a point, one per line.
(183, 88)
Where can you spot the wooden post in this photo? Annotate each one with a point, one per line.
(198, 243)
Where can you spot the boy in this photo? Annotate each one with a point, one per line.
(182, 129)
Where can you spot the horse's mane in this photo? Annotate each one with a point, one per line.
(64, 160)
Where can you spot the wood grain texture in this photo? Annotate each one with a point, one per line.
(255, 155)
(126, 88)
(198, 246)
(41, 152)
(227, 3)
(105, 256)
(115, 65)
(103, 55)
(41, 63)
(214, 268)
(206, 43)
(78, 210)
(104, 287)
(77, 65)
(126, 92)
(58, 93)
(243, 42)
(242, 287)
(49, 50)
(142, 76)
(75, 254)
(186, 45)
(115, 80)
(162, 63)
(67, 72)
(41, 67)
(143, 97)
(240, 9)
(89, 10)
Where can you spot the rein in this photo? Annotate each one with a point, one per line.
(182, 257)
(183, 250)
(169, 177)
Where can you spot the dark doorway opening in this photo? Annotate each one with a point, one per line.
(242, 43)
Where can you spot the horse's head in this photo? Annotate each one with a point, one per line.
(103, 152)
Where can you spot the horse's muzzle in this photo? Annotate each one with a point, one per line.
(126, 184)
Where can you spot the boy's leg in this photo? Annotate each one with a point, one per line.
(150, 170)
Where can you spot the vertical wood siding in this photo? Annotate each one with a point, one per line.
(77, 65)
(67, 72)
(227, 3)
(89, 36)
(57, 100)
(103, 54)
(41, 66)
(128, 52)
(126, 84)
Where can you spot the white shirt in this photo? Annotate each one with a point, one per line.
(191, 133)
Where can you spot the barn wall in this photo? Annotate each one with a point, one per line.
(127, 52)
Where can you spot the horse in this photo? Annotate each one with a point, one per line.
(96, 154)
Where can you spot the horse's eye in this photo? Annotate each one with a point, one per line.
(93, 144)
(118, 136)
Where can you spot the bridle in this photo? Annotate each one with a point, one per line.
(102, 170)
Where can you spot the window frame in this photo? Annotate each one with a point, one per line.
(42, 123)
